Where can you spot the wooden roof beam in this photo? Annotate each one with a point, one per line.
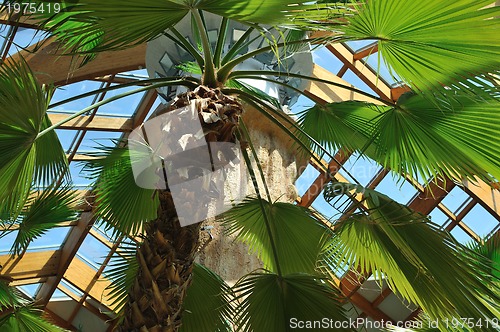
(51, 66)
(102, 123)
(68, 251)
(30, 265)
(362, 70)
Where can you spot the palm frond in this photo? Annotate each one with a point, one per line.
(27, 319)
(23, 105)
(431, 43)
(123, 269)
(489, 252)
(44, 210)
(289, 13)
(273, 303)
(9, 296)
(419, 261)
(91, 26)
(458, 138)
(119, 200)
(207, 306)
(298, 237)
(18, 315)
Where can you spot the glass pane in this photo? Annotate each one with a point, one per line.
(455, 198)
(306, 179)
(480, 221)
(399, 190)
(71, 90)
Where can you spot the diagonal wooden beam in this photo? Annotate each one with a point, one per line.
(67, 252)
(363, 71)
(322, 92)
(52, 67)
(488, 196)
(366, 51)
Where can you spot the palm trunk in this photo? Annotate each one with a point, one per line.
(166, 256)
(166, 263)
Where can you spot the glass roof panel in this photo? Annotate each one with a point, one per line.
(123, 107)
(92, 251)
(5, 31)
(52, 239)
(455, 198)
(6, 242)
(71, 90)
(376, 61)
(94, 139)
(461, 236)
(480, 221)
(306, 179)
(354, 79)
(77, 175)
(25, 37)
(66, 137)
(357, 45)
(30, 289)
(438, 217)
(363, 169)
(324, 58)
(399, 190)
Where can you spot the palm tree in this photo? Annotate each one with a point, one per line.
(445, 51)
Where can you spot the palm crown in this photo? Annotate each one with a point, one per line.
(445, 126)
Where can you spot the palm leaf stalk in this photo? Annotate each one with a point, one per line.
(437, 131)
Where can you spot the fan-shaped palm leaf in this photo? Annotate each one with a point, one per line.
(91, 25)
(16, 314)
(431, 43)
(9, 296)
(273, 303)
(43, 211)
(122, 270)
(23, 105)
(26, 319)
(207, 306)
(457, 138)
(298, 237)
(489, 251)
(119, 200)
(418, 260)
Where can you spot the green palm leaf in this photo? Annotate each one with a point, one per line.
(299, 238)
(489, 251)
(89, 26)
(207, 306)
(420, 262)
(123, 269)
(275, 12)
(430, 43)
(119, 201)
(16, 314)
(26, 319)
(417, 137)
(9, 296)
(92, 25)
(273, 303)
(43, 211)
(25, 157)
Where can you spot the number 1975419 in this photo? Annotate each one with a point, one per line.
(33, 8)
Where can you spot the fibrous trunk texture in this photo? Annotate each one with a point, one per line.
(167, 253)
